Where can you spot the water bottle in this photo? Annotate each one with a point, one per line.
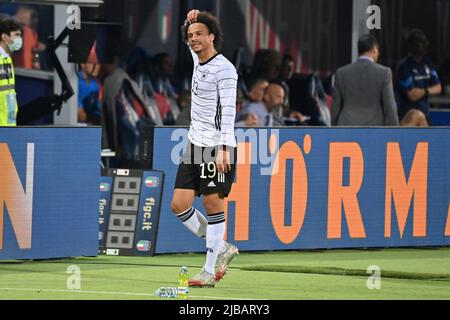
(183, 283)
(167, 292)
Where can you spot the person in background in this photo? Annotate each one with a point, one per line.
(256, 90)
(265, 114)
(165, 96)
(267, 64)
(363, 93)
(10, 41)
(28, 57)
(249, 120)
(416, 80)
(184, 103)
(162, 72)
(286, 73)
(255, 96)
(139, 68)
(90, 94)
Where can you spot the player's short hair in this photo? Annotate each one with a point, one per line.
(366, 43)
(213, 25)
(9, 25)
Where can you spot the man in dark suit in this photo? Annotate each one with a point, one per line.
(363, 92)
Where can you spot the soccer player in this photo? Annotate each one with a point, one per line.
(208, 165)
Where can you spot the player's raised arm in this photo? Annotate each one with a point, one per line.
(192, 15)
(190, 18)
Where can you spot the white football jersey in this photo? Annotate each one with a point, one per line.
(213, 106)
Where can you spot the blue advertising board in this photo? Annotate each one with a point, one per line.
(311, 188)
(49, 179)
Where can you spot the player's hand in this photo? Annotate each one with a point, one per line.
(192, 15)
(223, 161)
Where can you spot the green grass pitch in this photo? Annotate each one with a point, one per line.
(330, 274)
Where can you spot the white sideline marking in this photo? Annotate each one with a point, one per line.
(117, 293)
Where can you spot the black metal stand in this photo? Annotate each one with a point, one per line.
(43, 106)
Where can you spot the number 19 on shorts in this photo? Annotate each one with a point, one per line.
(211, 172)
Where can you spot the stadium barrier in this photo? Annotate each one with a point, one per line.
(49, 181)
(313, 188)
(440, 117)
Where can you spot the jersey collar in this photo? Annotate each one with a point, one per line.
(210, 59)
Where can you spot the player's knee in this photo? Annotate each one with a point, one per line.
(177, 207)
(212, 206)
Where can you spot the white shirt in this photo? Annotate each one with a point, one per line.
(3, 53)
(213, 111)
(259, 108)
(366, 58)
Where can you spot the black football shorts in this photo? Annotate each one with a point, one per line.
(197, 171)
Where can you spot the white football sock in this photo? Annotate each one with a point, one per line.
(214, 240)
(197, 224)
(194, 221)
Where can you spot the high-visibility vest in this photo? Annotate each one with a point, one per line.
(7, 92)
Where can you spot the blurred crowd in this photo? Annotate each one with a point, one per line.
(126, 96)
(268, 87)
(143, 89)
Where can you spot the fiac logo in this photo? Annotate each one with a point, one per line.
(17, 200)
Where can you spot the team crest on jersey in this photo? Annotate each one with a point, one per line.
(205, 74)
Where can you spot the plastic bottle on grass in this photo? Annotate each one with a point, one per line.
(167, 292)
(183, 283)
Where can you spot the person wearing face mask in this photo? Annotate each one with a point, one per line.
(416, 79)
(11, 41)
